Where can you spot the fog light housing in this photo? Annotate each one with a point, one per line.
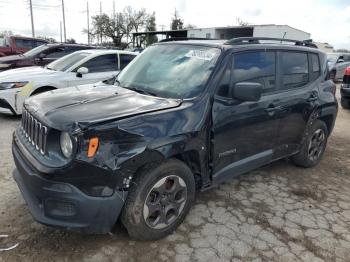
(58, 208)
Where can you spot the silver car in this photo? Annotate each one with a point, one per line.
(337, 63)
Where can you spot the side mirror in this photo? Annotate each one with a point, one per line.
(82, 71)
(340, 60)
(247, 91)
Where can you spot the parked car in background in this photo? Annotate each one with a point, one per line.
(40, 56)
(337, 63)
(345, 89)
(81, 67)
(13, 45)
(181, 118)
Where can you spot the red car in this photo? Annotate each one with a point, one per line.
(13, 45)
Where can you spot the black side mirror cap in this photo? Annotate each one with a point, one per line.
(247, 91)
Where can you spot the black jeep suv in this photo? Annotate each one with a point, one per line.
(181, 118)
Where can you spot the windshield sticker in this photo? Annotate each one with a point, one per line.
(201, 54)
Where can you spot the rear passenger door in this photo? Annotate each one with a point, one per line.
(245, 133)
(298, 96)
(100, 68)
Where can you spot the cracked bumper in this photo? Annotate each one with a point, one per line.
(62, 204)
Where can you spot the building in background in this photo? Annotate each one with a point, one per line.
(275, 31)
(325, 47)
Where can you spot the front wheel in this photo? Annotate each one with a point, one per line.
(313, 147)
(159, 200)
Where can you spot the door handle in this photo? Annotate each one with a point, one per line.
(271, 109)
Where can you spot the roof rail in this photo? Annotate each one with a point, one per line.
(256, 40)
(184, 38)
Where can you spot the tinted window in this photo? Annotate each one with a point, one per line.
(103, 63)
(316, 71)
(24, 43)
(125, 60)
(258, 67)
(295, 70)
(55, 53)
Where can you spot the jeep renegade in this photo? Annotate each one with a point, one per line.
(181, 118)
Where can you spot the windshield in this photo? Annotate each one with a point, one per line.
(36, 50)
(332, 57)
(67, 61)
(2, 41)
(171, 70)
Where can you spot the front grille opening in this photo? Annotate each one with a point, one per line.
(34, 131)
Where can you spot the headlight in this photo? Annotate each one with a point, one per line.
(5, 65)
(9, 85)
(66, 144)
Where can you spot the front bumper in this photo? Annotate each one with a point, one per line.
(63, 205)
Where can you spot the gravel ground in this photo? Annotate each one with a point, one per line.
(277, 213)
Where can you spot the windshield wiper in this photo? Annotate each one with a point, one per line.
(141, 91)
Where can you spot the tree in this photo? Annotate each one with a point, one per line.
(49, 39)
(190, 26)
(151, 26)
(119, 27)
(176, 22)
(71, 41)
(6, 33)
(240, 22)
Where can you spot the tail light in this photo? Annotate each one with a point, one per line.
(346, 79)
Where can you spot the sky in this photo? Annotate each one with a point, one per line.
(326, 20)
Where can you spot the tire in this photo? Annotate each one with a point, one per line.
(168, 189)
(345, 103)
(313, 147)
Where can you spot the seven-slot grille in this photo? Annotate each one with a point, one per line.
(34, 131)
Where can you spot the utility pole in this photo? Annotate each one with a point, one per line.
(114, 11)
(100, 16)
(64, 22)
(88, 22)
(61, 31)
(31, 17)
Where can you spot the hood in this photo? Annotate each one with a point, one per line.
(82, 106)
(26, 74)
(12, 58)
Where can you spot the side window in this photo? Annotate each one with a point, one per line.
(24, 43)
(295, 69)
(103, 63)
(316, 71)
(125, 59)
(258, 66)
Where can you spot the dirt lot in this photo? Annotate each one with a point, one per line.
(279, 212)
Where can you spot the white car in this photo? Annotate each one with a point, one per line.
(78, 68)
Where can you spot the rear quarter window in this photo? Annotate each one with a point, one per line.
(295, 69)
(316, 69)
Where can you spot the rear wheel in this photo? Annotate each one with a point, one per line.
(313, 147)
(159, 200)
(345, 103)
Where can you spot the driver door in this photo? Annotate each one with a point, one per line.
(100, 68)
(245, 132)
